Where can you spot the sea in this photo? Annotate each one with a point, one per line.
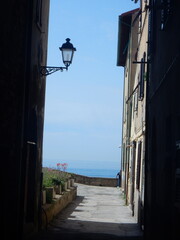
(107, 173)
(86, 170)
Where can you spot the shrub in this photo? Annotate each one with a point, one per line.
(54, 177)
(48, 176)
(56, 181)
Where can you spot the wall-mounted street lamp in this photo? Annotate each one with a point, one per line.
(67, 50)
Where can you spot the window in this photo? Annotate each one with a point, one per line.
(165, 12)
(125, 111)
(140, 24)
(142, 76)
(138, 167)
(136, 101)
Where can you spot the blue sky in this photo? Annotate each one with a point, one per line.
(83, 108)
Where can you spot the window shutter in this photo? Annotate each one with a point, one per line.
(141, 80)
(138, 169)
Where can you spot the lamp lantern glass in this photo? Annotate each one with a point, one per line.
(67, 50)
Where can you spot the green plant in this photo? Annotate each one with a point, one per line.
(48, 175)
(52, 177)
(56, 181)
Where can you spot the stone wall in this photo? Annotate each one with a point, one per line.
(49, 211)
(95, 181)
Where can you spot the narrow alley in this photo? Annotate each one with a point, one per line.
(96, 213)
(117, 104)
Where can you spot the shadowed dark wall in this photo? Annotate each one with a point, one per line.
(162, 210)
(24, 31)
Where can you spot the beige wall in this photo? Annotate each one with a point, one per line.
(133, 134)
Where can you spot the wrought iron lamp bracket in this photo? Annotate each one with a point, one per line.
(47, 70)
(140, 62)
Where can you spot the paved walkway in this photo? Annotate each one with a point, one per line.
(96, 213)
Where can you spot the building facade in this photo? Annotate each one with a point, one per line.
(162, 187)
(134, 107)
(151, 122)
(24, 29)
